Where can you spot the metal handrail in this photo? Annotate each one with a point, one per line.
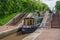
(43, 24)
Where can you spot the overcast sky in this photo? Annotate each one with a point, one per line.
(50, 3)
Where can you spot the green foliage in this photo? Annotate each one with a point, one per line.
(5, 19)
(13, 6)
(57, 5)
(9, 7)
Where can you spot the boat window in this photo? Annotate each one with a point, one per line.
(29, 21)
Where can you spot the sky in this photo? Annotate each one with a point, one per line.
(51, 3)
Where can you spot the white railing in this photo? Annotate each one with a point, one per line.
(45, 18)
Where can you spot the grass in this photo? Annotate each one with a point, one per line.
(5, 19)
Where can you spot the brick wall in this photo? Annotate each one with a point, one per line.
(55, 20)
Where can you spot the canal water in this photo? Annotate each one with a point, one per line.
(14, 36)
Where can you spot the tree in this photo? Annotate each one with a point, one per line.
(57, 5)
(8, 7)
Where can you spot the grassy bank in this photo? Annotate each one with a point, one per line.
(5, 19)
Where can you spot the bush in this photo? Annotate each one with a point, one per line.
(13, 6)
(57, 5)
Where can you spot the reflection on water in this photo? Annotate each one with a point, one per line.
(14, 36)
